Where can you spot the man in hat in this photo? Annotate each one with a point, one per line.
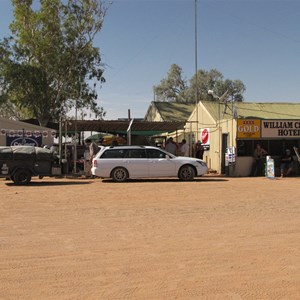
(286, 163)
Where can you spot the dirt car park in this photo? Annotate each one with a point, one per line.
(212, 238)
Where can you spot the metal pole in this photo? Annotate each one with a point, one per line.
(75, 141)
(66, 130)
(129, 133)
(219, 130)
(60, 138)
(196, 70)
(129, 129)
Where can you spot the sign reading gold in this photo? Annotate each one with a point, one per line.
(248, 129)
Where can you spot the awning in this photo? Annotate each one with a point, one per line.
(138, 127)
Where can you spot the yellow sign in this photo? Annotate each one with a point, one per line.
(248, 129)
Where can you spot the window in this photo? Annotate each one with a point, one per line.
(274, 147)
(114, 153)
(245, 148)
(135, 153)
(153, 153)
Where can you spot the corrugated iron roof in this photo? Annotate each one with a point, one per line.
(253, 110)
(121, 126)
(8, 123)
(174, 111)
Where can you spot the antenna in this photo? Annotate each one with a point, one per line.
(224, 97)
(221, 99)
(235, 112)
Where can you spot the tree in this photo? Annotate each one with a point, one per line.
(50, 64)
(206, 80)
(235, 89)
(175, 88)
(172, 88)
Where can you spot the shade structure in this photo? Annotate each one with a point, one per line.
(96, 137)
(107, 139)
(115, 127)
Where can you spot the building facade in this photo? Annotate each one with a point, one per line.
(229, 131)
(235, 128)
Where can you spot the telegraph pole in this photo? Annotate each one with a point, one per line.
(196, 70)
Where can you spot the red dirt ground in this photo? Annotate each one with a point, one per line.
(214, 238)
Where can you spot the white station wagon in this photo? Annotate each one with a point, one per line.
(123, 162)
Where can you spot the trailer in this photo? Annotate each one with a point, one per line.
(21, 163)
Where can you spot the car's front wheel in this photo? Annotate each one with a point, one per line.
(119, 174)
(186, 173)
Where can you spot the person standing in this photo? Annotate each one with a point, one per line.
(185, 148)
(171, 147)
(259, 154)
(286, 163)
(93, 149)
(199, 150)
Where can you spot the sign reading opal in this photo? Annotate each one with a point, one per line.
(280, 129)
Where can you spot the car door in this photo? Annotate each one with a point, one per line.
(135, 162)
(160, 164)
(108, 160)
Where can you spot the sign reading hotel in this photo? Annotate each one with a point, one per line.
(248, 128)
(280, 129)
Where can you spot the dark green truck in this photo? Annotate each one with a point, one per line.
(20, 163)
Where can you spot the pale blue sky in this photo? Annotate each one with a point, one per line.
(256, 41)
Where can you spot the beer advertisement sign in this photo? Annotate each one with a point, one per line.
(205, 138)
(248, 128)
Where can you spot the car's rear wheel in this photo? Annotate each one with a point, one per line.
(186, 173)
(119, 174)
(22, 176)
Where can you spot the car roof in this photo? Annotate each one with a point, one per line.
(131, 147)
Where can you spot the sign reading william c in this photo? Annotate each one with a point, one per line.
(280, 129)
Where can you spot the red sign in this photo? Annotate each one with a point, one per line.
(205, 136)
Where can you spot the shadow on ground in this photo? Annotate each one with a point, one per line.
(204, 179)
(50, 183)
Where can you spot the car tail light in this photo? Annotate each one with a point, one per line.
(95, 163)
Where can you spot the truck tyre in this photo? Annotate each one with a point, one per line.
(22, 176)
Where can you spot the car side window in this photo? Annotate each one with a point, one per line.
(113, 153)
(153, 153)
(136, 153)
